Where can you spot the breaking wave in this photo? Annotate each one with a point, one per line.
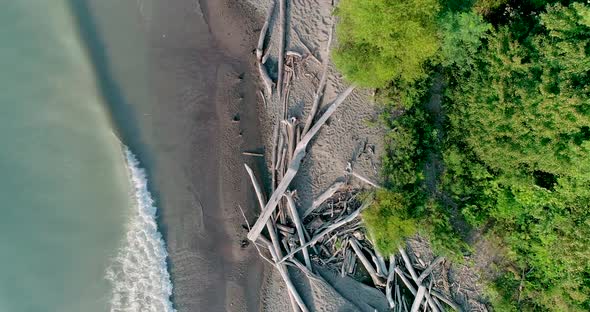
(139, 273)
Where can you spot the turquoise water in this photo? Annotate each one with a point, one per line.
(76, 215)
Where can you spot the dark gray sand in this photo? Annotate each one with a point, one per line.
(205, 116)
(178, 78)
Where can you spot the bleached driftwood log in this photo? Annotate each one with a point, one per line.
(294, 166)
(317, 97)
(370, 269)
(268, 84)
(299, 227)
(274, 247)
(429, 269)
(362, 178)
(388, 292)
(408, 264)
(323, 197)
(446, 300)
(329, 229)
(419, 298)
(282, 30)
(252, 154)
(285, 275)
(263, 31)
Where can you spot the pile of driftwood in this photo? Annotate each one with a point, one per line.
(329, 233)
(348, 248)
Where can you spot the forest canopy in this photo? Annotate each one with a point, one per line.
(513, 133)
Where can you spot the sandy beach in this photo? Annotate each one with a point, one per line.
(204, 118)
(200, 111)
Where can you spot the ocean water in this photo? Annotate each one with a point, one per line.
(77, 228)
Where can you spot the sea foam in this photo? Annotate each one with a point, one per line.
(139, 274)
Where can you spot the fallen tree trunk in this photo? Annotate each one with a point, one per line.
(285, 275)
(294, 166)
(323, 197)
(370, 269)
(360, 177)
(263, 31)
(388, 292)
(299, 227)
(274, 247)
(446, 300)
(265, 78)
(330, 228)
(269, 225)
(282, 26)
(321, 87)
(419, 298)
(408, 264)
(429, 269)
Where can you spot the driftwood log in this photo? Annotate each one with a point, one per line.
(330, 228)
(274, 247)
(299, 227)
(359, 253)
(282, 31)
(317, 97)
(323, 197)
(263, 31)
(294, 166)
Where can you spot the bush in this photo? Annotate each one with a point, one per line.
(519, 154)
(389, 221)
(461, 38)
(382, 40)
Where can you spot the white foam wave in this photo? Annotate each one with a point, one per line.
(139, 274)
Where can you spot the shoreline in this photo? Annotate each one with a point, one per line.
(202, 63)
(181, 95)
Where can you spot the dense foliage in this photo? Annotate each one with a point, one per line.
(389, 221)
(514, 141)
(524, 163)
(382, 40)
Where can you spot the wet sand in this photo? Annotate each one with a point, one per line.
(203, 118)
(178, 80)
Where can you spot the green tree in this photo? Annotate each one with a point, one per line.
(520, 154)
(461, 38)
(383, 40)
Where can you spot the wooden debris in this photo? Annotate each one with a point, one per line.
(295, 54)
(408, 264)
(268, 84)
(446, 300)
(323, 197)
(331, 228)
(419, 298)
(285, 275)
(359, 253)
(388, 293)
(333, 235)
(263, 31)
(429, 269)
(321, 87)
(282, 30)
(252, 154)
(294, 166)
(285, 228)
(299, 227)
(362, 178)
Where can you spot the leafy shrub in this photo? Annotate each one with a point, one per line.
(389, 221)
(519, 154)
(461, 34)
(382, 40)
